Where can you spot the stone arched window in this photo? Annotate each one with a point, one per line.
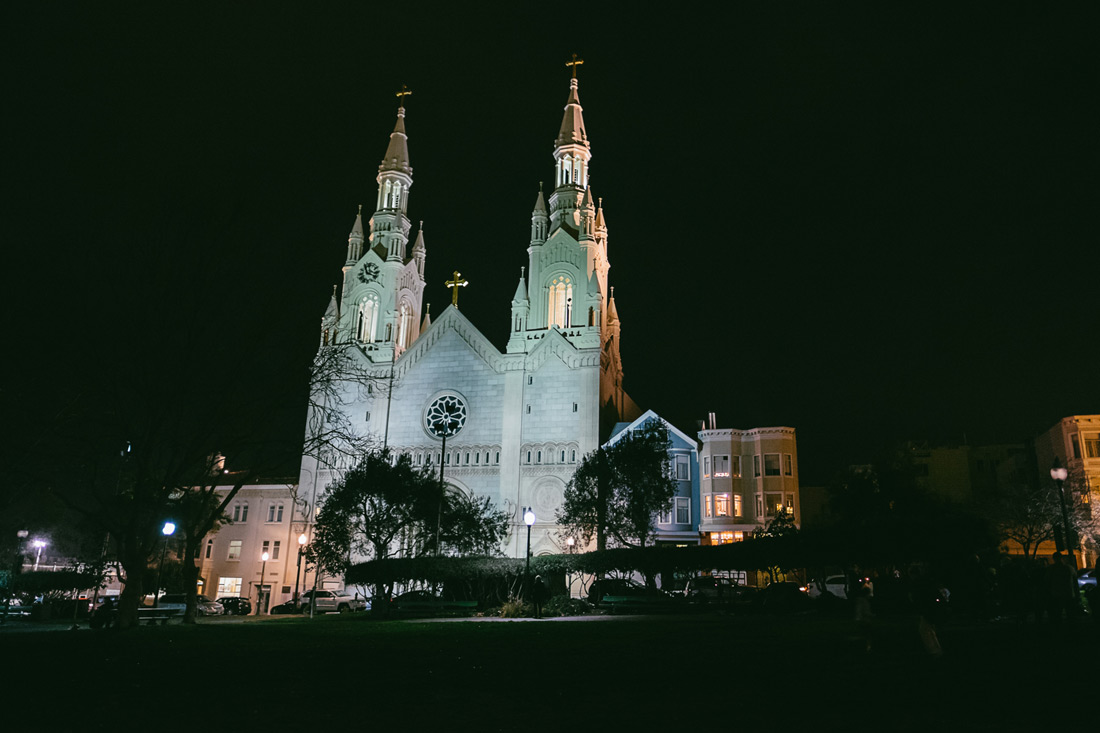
(560, 302)
(387, 192)
(366, 326)
(404, 325)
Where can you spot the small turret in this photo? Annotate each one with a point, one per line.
(419, 251)
(540, 220)
(355, 238)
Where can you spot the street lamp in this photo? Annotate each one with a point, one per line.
(167, 530)
(260, 588)
(1069, 539)
(528, 519)
(444, 426)
(38, 545)
(298, 573)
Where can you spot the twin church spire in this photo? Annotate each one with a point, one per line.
(564, 286)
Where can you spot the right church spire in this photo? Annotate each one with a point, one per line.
(572, 154)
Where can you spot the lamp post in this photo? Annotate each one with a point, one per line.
(1069, 538)
(298, 573)
(570, 544)
(443, 427)
(38, 545)
(167, 530)
(528, 519)
(260, 588)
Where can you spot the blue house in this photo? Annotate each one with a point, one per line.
(680, 524)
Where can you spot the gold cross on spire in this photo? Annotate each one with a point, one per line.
(574, 64)
(455, 284)
(405, 91)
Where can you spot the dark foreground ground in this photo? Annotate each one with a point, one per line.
(699, 672)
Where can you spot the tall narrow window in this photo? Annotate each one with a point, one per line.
(560, 302)
(209, 548)
(788, 465)
(683, 510)
(367, 326)
(271, 513)
(756, 465)
(275, 551)
(403, 326)
(721, 466)
(771, 464)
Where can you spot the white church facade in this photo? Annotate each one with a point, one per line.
(516, 422)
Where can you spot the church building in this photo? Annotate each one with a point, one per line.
(509, 425)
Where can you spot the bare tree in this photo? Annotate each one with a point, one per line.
(1027, 516)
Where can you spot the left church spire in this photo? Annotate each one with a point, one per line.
(383, 288)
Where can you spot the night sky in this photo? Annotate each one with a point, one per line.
(869, 224)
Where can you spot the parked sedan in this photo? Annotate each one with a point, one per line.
(1086, 579)
(833, 585)
(203, 605)
(236, 606)
(286, 608)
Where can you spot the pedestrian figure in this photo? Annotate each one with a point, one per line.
(539, 595)
(928, 601)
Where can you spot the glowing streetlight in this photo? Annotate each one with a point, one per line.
(302, 539)
(1059, 473)
(528, 519)
(260, 589)
(167, 530)
(38, 545)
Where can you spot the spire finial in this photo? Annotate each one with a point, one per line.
(522, 271)
(360, 209)
(405, 91)
(540, 186)
(574, 64)
(421, 223)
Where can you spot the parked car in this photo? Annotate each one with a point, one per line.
(835, 585)
(203, 605)
(632, 595)
(709, 588)
(1086, 578)
(327, 600)
(613, 587)
(783, 597)
(236, 606)
(287, 608)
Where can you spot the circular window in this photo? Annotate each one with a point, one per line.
(445, 416)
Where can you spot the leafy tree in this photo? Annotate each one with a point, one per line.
(782, 527)
(618, 491)
(384, 507)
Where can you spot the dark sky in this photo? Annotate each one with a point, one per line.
(870, 224)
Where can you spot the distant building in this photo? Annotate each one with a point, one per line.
(1074, 442)
(746, 478)
(680, 524)
(967, 473)
(260, 520)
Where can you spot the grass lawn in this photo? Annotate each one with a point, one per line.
(644, 673)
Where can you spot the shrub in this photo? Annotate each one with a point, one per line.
(515, 608)
(565, 606)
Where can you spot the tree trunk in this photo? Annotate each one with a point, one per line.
(190, 570)
(133, 592)
(601, 501)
